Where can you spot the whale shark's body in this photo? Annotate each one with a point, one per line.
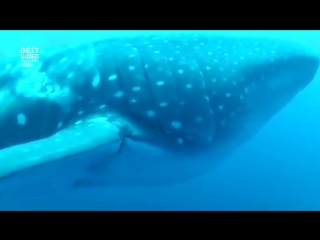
(143, 110)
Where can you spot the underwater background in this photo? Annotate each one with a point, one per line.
(278, 169)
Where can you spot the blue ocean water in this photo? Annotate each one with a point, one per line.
(279, 169)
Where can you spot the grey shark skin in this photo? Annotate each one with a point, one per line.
(178, 103)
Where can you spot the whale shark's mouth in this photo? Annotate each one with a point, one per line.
(186, 95)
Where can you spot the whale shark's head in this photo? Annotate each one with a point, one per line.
(261, 89)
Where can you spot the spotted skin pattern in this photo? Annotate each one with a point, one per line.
(185, 92)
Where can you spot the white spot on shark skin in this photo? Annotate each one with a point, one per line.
(77, 134)
(146, 66)
(228, 95)
(70, 75)
(160, 83)
(220, 107)
(102, 106)
(150, 113)
(156, 52)
(131, 68)
(21, 119)
(199, 119)
(78, 122)
(208, 68)
(133, 100)
(176, 124)
(136, 89)
(80, 98)
(246, 90)
(113, 77)
(63, 60)
(170, 59)
(96, 81)
(223, 123)
(189, 86)
(209, 53)
(59, 125)
(132, 55)
(163, 104)
(119, 94)
(214, 80)
(180, 141)
(80, 112)
(180, 71)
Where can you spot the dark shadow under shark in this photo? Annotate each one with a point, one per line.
(189, 97)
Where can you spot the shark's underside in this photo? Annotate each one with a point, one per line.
(192, 98)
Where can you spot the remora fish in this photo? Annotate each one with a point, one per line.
(145, 110)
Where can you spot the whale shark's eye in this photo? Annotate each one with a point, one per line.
(48, 88)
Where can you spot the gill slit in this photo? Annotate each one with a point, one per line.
(150, 90)
(120, 83)
(206, 90)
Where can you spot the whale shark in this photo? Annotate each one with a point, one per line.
(141, 110)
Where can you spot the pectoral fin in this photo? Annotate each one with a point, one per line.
(80, 138)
